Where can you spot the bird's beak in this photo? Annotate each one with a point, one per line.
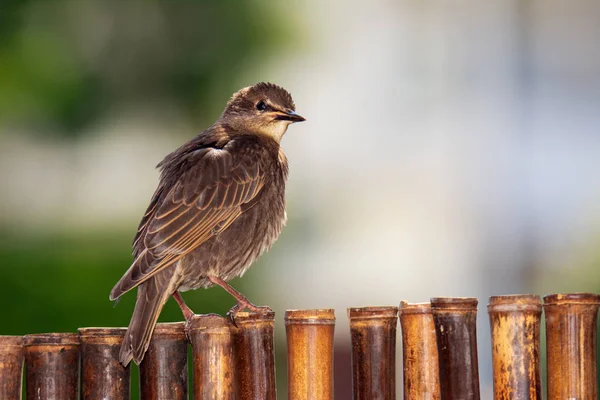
(289, 115)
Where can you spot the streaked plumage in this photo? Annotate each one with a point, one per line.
(219, 204)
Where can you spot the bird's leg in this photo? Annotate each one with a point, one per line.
(242, 301)
(185, 310)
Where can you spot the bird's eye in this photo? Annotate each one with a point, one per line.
(261, 106)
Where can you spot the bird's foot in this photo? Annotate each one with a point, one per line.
(246, 305)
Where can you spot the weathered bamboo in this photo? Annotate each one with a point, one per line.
(515, 330)
(164, 370)
(254, 345)
(11, 366)
(310, 353)
(571, 321)
(455, 328)
(419, 352)
(102, 375)
(51, 366)
(212, 359)
(373, 335)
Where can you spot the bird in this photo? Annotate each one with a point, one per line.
(219, 204)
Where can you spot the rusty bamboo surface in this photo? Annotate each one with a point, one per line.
(212, 357)
(456, 333)
(373, 335)
(310, 353)
(515, 330)
(254, 347)
(571, 321)
(102, 375)
(51, 366)
(419, 352)
(11, 366)
(164, 370)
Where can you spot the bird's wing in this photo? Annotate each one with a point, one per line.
(204, 201)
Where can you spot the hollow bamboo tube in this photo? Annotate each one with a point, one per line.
(11, 366)
(455, 328)
(102, 375)
(310, 353)
(571, 345)
(373, 335)
(212, 357)
(254, 355)
(51, 366)
(164, 370)
(419, 352)
(515, 329)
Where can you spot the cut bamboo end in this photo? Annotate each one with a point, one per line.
(102, 335)
(51, 339)
(454, 303)
(170, 329)
(310, 317)
(515, 303)
(571, 299)
(413, 308)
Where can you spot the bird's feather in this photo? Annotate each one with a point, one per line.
(206, 198)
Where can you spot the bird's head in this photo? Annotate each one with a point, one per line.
(263, 109)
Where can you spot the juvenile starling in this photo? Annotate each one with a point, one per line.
(219, 204)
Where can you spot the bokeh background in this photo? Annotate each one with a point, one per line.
(452, 148)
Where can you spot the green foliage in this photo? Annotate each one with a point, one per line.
(64, 64)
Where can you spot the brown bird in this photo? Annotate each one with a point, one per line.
(219, 204)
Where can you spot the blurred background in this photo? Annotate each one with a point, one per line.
(451, 149)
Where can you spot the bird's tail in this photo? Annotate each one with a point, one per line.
(151, 297)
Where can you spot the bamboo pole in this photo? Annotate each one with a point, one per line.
(571, 327)
(373, 335)
(51, 366)
(515, 330)
(455, 326)
(212, 359)
(164, 370)
(419, 352)
(102, 375)
(11, 366)
(310, 354)
(254, 355)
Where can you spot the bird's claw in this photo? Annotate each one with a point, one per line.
(232, 313)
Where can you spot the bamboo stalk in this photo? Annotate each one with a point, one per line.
(373, 334)
(212, 349)
(254, 355)
(102, 375)
(455, 327)
(164, 370)
(51, 366)
(419, 352)
(11, 366)
(515, 330)
(571, 327)
(310, 353)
